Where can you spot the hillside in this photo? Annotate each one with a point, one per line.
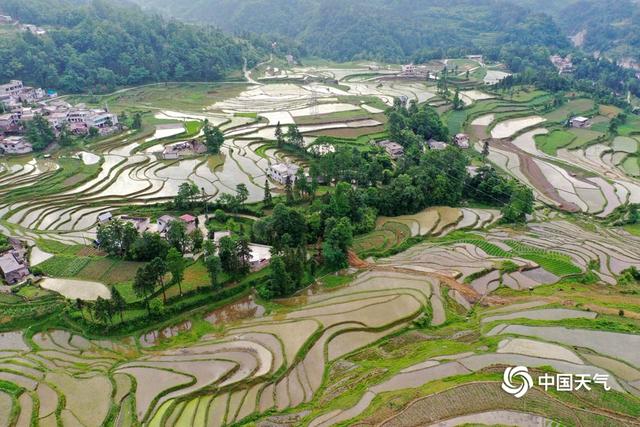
(378, 29)
(98, 46)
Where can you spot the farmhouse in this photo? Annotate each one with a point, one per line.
(322, 149)
(436, 145)
(163, 223)
(283, 172)
(393, 149)
(461, 140)
(6, 19)
(13, 267)
(105, 217)
(189, 221)
(580, 122)
(140, 223)
(563, 65)
(81, 120)
(478, 58)
(409, 69)
(9, 122)
(184, 148)
(260, 256)
(15, 145)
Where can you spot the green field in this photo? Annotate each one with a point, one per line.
(572, 108)
(550, 143)
(172, 96)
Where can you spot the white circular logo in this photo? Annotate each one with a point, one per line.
(517, 390)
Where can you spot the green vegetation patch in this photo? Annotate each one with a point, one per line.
(551, 142)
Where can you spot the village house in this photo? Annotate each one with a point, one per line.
(189, 221)
(322, 149)
(163, 223)
(260, 256)
(141, 224)
(9, 122)
(219, 235)
(563, 65)
(6, 19)
(15, 145)
(34, 29)
(81, 120)
(393, 149)
(283, 172)
(408, 70)
(105, 217)
(13, 267)
(579, 122)
(184, 148)
(436, 145)
(461, 140)
(477, 58)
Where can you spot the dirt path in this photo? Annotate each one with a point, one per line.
(247, 73)
(468, 293)
(535, 175)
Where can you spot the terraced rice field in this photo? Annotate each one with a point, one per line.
(252, 366)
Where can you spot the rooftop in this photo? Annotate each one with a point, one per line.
(8, 263)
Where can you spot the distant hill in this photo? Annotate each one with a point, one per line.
(396, 30)
(99, 45)
(611, 28)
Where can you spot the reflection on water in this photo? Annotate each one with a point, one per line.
(242, 309)
(155, 337)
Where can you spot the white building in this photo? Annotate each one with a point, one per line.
(393, 149)
(15, 145)
(322, 149)
(283, 172)
(140, 223)
(13, 88)
(461, 140)
(580, 122)
(163, 223)
(436, 145)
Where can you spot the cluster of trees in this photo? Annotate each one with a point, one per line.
(98, 45)
(121, 239)
(293, 137)
(413, 125)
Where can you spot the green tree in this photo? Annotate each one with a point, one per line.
(177, 236)
(520, 204)
(338, 238)
(279, 135)
(187, 195)
(242, 193)
(136, 122)
(243, 255)
(278, 278)
(196, 239)
(228, 255)
(157, 269)
(118, 302)
(144, 284)
(39, 133)
(294, 137)
(268, 198)
(213, 137)
(149, 246)
(214, 268)
(102, 311)
(116, 237)
(64, 137)
(176, 266)
(457, 102)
